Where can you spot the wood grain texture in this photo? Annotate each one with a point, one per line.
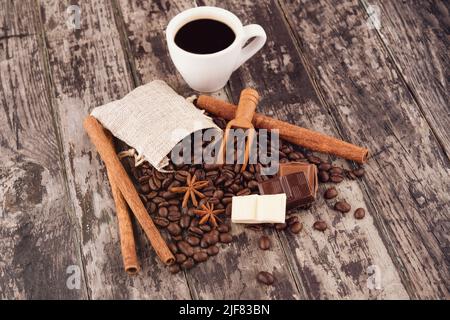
(88, 69)
(334, 264)
(232, 273)
(407, 179)
(35, 214)
(416, 35)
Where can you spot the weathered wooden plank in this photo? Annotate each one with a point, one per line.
(89, 69)
(333, 264)
(37, 234)
(232, 273)
(416, 35)
(407, 179)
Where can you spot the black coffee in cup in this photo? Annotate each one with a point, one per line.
(204, 36)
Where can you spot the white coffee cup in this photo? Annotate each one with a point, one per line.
(210, 72)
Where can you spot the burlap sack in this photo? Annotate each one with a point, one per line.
(152, 118)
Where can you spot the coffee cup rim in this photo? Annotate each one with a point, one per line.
(192, 14)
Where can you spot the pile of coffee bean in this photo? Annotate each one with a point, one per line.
(192, 243)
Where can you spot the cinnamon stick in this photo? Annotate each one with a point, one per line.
(297, 135)
(127, 243)
(118, 174)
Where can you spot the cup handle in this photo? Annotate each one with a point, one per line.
(250, 31)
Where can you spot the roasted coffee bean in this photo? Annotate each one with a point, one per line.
(205, 228)
(185, 248)
(168, 195)
(296, 227)
(212, 238)
(336, 178)
(212, 173)
(280, 226)
(177, 238)
(192, 240)
(151, 195)
(265, 278)
(174, 216)
(247, 175)
(161, 222)
(204, 243)
(175, 268)
(174, 202)
(218, 194)
(197, 249)
(253, 185)
(173, 247)
(323, 176)
(179, 177)
(325, 166)
(194, 223)
(166, 182)
(185, 221)
(359, 213)
(212, 251)
(358, 172)
(180, 258)
(196, 231)
(225, 238)
(174, 229)
(235, 188)
(188, 264)
(173, 208)
(163, 204)
(314, 159)
(174, 184)
(291, 220)
(293, 156)
(158, 200)
(320, 225)
(227, 200)
(244, 192)
(151, 207)
(223, 228)
(145, 188)
(163, 212)
(264, 243)
(154, 184)
(200, 174)
(219, 180)
(144, 179)
(213, 201)
(336, 170)
(200, 256)
(228, 210)
(342, 206)
(330, 193)
(213, 166)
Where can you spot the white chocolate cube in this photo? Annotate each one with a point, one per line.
(259, 209)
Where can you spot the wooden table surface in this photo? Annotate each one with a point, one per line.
(325, 67)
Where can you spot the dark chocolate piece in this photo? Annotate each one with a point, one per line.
(298, 189)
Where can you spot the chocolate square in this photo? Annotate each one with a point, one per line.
(297, 180)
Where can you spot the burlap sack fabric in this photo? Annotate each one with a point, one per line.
(152, 118)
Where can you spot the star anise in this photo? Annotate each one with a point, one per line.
(191, 190)
(207, 213)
